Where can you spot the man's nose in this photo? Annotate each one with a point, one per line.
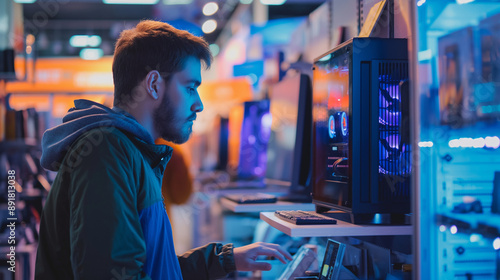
(197, 105)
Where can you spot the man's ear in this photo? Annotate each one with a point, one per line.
(152, 83)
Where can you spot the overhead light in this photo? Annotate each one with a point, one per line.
(30, 39)
(209, 26)
(460, 2)
(91, 54)
(78, 41)
(81, 41)
(94, 41)
(177, 2)
(272, 2)
(210, 8)
(25, 1)
(214, 49)
(246, 1)
(133, 2)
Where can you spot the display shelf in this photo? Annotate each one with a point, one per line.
(486, 224)
(340, 229)
(259, 207)
(274, 190)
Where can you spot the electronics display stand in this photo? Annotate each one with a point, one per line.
(331, 268)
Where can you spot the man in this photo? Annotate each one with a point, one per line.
(104, 217)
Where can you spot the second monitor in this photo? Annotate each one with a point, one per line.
(289, 147)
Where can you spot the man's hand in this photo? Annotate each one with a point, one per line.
(245, 257)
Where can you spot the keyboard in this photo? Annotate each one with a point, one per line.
(252, 198)
(299, 217)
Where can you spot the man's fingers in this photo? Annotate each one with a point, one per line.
(284, 253)
(260, 266)
(278, 247)
(272, 253)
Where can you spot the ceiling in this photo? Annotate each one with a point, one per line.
(54, 22)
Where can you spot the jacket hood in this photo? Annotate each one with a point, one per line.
(86, 115)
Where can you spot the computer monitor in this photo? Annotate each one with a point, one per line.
(223, 144)
(289, 147)
(361, 160)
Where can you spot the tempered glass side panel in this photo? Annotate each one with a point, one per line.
(331, 111)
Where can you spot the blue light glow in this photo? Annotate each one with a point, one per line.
(425, 144)
(461, 2)
(492, 142)
(496, 243)
(475, 237)
(134, 2)
(272, 2)
(424, 55)
(453, 229)
(91, 54)
(214, 48)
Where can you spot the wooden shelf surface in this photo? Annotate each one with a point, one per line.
(340, 229)
(259, 207)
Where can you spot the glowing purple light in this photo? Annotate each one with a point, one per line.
(251, 139)
(257, 170)
(267, 120)
(393, 141)
(390, 118)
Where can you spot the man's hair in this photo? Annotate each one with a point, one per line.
(152, 45)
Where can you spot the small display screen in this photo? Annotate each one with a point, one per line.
(332, 262)
(331, 113)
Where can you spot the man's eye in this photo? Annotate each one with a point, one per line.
(192, 90)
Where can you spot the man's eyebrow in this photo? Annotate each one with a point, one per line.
(196, 83)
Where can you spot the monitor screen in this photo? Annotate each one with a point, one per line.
(234, 137)
(255, 130)
(331, 113)
(284, 145)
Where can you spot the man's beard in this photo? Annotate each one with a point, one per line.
(166, 124)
